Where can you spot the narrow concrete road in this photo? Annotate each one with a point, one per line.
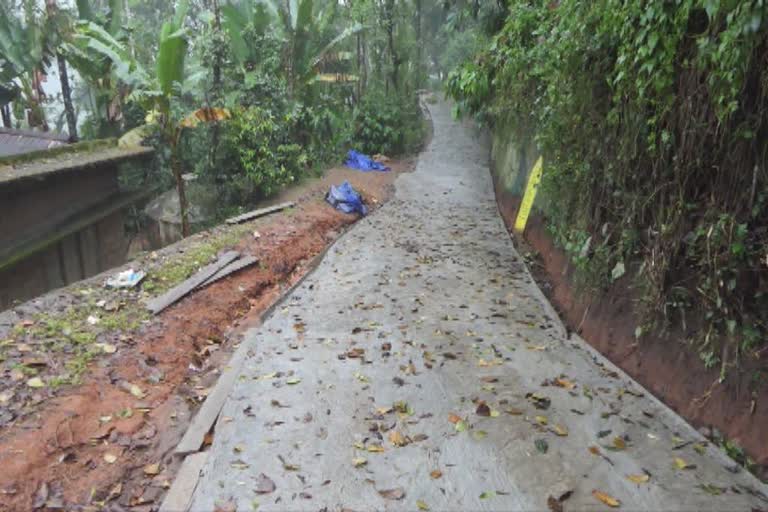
(422, 328)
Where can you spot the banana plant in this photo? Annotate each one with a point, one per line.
(300, 23)
(24, 52)
(97, 50)
(157, 94)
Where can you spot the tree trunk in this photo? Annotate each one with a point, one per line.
(419, 47)
(216, 89)
(66, 94)
(5, 111)
(180, 187)
(389, 21)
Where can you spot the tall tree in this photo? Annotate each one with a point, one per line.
(60, 29)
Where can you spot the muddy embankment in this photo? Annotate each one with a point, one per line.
(736, 409)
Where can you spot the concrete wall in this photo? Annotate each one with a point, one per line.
(513, 155)
(45, 208)
(96, 248)
(30, 206)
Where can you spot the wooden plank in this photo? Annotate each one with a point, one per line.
(230, 269)
(259, 213)
(179, 496)
(178, 292)
(209, 412)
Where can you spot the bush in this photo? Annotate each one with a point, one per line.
(387, 124)
(267, 154)
(651, 117)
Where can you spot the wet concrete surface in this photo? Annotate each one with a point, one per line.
(419, 368)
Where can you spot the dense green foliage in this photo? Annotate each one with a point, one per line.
(283, 87)
(651, 116)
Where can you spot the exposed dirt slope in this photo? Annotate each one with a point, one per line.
(108, 441)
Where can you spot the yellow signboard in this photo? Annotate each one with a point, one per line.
(530, 194)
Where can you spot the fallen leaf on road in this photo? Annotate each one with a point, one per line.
(681, 464)
(483, 409)
(594, 450)
(398, 439)
(638, 479)
(435, 474)
(225, 506)
(560, 431)
(479, 434)
(712, 489)
(453, 418)
(554, 505)
(514, 412)
(264, 485)
(293, 381)
(110, 458)
(359, 376)
(619, 443)
(239, 464)
(539, 401)
(358, 462)
(461, 426)
(487, 495)
(489, 387)
(384, 410)
(564, 383)
(489, 379)
(700, 448)
(152, 469)
(393, 494)
(541, 420)
(374, 448)
(541, 445)
(422, 505)
(607, 499)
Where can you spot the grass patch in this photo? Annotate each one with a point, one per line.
(172, 272)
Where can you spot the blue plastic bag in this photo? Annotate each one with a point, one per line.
(344, 198)
(363, 162)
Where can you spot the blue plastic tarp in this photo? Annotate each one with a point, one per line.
(363, 162)
(344, 198)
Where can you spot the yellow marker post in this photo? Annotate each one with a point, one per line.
(530, 194)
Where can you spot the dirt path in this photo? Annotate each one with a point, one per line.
(419, 368)
(105, 444)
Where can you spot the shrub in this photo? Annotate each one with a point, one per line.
(651, 116)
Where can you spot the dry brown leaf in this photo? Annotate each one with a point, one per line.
(560, 430)
(594, 450)
(393, 494)
(483, 409)
(264, 485)
(541, 420)
(397, 439)
(565, 383)
(358, 462)
(638, 479)
(619, 443)
(374, 448)
(606, 498)
(436, 474)
(453, 418)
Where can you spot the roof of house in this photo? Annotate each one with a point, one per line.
(84, 155)
(19, 142)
